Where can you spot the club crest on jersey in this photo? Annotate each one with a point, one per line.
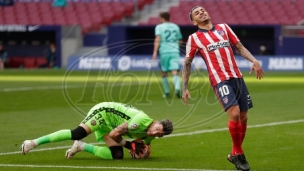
(93, 122)
(225, 100)
(217, 45)
(134, 126)
(220, 32)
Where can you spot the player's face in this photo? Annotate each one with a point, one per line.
(156, 130)
(200, 15)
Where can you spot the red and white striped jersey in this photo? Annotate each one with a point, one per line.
(214, 48)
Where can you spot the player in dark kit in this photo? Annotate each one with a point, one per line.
(212, 43)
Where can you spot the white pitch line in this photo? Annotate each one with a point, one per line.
(61, 87)
(45, 149)
(173, 135)
(100, 167)
(224, 129)
(36, 88)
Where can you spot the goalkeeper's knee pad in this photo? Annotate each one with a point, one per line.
(117, 152)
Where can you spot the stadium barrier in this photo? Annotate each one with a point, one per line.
(144, 62)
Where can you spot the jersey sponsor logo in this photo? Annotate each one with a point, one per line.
(217, 45)
(134, 126)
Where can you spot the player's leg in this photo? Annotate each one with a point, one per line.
(112, 151)
(1, 64)
(227, 97)
(61, 135)
(243, 119)
(88, 125)
(234, 127)
(245, 103)
(174, 67)
(164, 69)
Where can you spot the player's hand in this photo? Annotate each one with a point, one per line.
(138, 146)
(186, 94)
(258, 70)
(146, 155)
(154, 57)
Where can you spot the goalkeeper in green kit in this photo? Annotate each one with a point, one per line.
(110, 121)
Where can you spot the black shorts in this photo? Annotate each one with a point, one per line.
(233, 92)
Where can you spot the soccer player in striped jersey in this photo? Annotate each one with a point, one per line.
(213, 43)
(167, 41)
(110, 121)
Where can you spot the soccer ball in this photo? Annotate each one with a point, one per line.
(144, 155)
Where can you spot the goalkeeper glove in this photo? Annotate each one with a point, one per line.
(136, 146)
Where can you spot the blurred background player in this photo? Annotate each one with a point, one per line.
(167, 41)
(3, 57)
(50, 56)
(264, 50)
(212, 43)
(110, 121)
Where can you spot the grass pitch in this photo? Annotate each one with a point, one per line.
(37, 102)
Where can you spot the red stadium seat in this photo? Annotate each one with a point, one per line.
(15, 62)
(29, 62)
(129, 8)
(154, 21)
(118, 13)
(40, 61)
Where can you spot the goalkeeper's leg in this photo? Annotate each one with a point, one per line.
(114, 152)
(62, 135)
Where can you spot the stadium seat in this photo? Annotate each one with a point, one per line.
(96, 12)
(40, 61)
(154, 21)
(129, 8)
(242, 12)
(29, 62)
(15, 62)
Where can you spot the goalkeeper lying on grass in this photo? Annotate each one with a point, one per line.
(110, 121)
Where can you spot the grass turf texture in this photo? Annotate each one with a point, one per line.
(38, 102)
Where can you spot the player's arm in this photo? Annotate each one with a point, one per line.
(180, 42)
(149, 140)
(191, 49)
(186, 72)
(156, 46)
(117, 133)
(185, 78)
(247, 55)
(244, 52)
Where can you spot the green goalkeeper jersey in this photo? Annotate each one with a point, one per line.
(109, 115)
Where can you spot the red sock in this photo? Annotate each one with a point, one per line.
(243, 131)
(235, 132)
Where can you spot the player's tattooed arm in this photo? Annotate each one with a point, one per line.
(247, 55)
(186, 72)
(244, 52)
(117, 133)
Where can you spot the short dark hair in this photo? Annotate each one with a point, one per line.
(167, 126)
(165, 15)
(190, 14)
